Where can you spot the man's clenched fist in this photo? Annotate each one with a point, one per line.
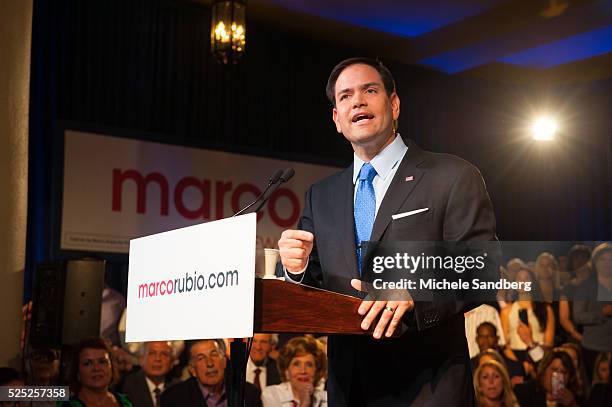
(295, 247)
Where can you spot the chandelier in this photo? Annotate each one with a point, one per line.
(228, 30)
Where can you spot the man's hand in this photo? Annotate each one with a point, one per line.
(294, 247)
(391, 312)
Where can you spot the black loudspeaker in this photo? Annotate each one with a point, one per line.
(66, 302)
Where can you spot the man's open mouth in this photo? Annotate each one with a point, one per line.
(360, 117)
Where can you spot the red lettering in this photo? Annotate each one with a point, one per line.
(162, 288)
(220, 189)
(170, 287)
(203, 211)
(295, 207)
(141, 184)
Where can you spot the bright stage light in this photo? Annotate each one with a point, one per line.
(544, 128)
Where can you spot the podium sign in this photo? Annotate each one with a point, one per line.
(196, 282)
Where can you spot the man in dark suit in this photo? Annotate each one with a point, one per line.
(262, 370)
(435, 197)
(145, 386)
(207, 363)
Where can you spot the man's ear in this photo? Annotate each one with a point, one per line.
(192, 371)
(335, 118)
(395, 105)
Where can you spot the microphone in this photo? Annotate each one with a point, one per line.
(286, 176)
(275, 178)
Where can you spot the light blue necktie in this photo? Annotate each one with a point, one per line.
(365, 208)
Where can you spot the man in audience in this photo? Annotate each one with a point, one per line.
(487, 338)
(262, 370)
(474, 318)
(144, 387)
(206, 387)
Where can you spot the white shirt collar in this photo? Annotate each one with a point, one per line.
(152, 385)
(384, 161)
(252, 366)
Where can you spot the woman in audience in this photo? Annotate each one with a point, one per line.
(556, 383)
(593, 307)
(601, 374)
(574, 352)
(303, 365)
(492, 386)
(601, 393)
(92, 373)
(529, 324)
(546, 270)
(579, 269)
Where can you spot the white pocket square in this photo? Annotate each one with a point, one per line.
(404, 214)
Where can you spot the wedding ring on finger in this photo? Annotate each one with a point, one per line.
(390, 309)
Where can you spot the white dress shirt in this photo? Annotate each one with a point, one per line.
(152, 387)
(386, 164)
(281, 395)
(250, 373)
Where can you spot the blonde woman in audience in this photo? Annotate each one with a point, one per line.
(601, 374)
(492, 386)
(302, 364)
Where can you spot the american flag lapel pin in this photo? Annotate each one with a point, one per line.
(409, 178)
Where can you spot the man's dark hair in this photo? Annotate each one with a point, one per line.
(383, 71)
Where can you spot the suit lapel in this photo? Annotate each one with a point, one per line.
(343, 213)
(399, 190)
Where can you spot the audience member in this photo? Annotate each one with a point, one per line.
(488, 342)
(11, 377)
(91, 375)
(303, 365)
(144, 387)
(492, 386)
(591, 309)
(546, 270)
(574, 351)
(474, 318)
(578, 269)
(113, 305)
(601, 393)
(206, 387)
(262, 370)
(529, 324)
(556, 382)
(601, 373)
(42, 366)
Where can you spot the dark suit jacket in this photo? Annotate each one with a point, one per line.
(272, 375)
(135, 387)
(432, 359)
(188, 393)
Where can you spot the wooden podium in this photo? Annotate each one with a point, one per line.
(284, 307)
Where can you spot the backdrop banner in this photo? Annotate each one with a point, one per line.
(116, 189)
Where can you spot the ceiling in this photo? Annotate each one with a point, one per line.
(511, 40)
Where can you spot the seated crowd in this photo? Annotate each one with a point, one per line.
(548, 347)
